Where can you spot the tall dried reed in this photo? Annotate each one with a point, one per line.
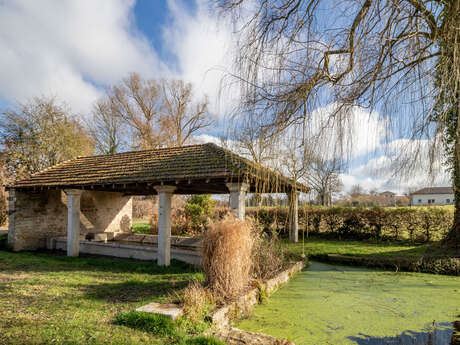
(227, 256)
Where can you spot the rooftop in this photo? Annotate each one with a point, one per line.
(435, 190)
(194, 169)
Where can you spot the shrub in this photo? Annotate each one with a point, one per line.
(422, 224)
(267, 256)
(198, 209)
(227, 256)
(160, 325)
(197, 301)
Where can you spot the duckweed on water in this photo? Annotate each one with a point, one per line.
(329, 304)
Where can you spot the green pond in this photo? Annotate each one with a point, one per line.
(339, 305)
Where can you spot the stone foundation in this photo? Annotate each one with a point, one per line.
(34, 217)
(124, 250)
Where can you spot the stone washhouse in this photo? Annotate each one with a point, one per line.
(90, 198)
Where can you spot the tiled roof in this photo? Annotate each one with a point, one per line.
(173, 165)
(435, 190)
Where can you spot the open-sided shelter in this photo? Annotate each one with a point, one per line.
(94, 194)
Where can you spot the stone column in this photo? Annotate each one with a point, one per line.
(237, 198)
(73, 221)
(293, 216)
(164, 224)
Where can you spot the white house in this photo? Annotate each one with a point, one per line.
(433, 196)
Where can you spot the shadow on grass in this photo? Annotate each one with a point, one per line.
(132, 290)
(50, 261)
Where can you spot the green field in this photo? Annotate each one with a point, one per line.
(53, 299)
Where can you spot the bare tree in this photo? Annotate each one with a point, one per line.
(182, 116)
(106, 129)
(157, 113)
(252, 140)
(323, 177)
(294, 155)
(356, 190)
(400, 57)
(138, 103)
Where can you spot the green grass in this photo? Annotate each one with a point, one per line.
(178, 332)
(141, 227)
(320, 246)
(53, 299)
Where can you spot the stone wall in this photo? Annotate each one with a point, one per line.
(105, 212)
(33, 217)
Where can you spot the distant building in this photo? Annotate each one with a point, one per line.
(433, 196)
(388, 196)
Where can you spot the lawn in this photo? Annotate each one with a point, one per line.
(141, 226)
(320, 246)
(47, 298)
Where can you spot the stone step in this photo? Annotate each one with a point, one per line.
(236, 336)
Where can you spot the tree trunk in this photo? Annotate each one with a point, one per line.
(453, 237)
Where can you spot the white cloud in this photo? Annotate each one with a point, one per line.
(398, 169)
(203, 45)
(65, 48)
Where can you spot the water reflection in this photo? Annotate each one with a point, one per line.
(438, 334)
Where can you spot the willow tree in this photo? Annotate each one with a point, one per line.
(400, 58)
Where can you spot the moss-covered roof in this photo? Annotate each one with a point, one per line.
(193, 169)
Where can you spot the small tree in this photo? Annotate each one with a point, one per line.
(198, 209)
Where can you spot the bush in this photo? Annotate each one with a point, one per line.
(197, 302)
(160, 325)
(227, 256)
(267, 256)
(417, 224)
(198, 209)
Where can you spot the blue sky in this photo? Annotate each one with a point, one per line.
(73, 49)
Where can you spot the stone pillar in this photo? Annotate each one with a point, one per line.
(164, 224)
(237, 198)
(11, 222)
(73, 221)
(293, 216)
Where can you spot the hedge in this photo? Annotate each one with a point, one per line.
(417, 224)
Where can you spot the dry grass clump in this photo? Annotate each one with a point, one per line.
(227, 256)
(197, 301)
(267, 256)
